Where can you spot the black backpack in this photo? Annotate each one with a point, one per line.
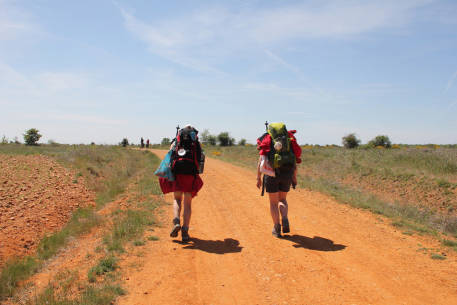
(186, 153)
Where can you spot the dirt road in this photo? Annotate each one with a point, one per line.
(334, 254)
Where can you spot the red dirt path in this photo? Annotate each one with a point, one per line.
(334, 255)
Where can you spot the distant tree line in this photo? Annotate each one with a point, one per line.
(351, 141)
(222, 139)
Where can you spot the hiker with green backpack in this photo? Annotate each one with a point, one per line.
(279, 155)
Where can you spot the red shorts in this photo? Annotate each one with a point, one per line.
(183, 183)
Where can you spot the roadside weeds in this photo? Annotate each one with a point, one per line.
(131, 165)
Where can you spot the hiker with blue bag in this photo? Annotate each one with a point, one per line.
(279, 155)
(179, 173)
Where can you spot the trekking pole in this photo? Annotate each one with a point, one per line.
(263, 185)
(266, 126)
(177, 130)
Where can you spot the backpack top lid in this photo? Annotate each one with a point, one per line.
(188, 133)
(189, 127)
(276, 130)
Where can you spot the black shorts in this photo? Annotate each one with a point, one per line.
(279, 183)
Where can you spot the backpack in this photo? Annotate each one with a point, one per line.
(186, 152)
(280, 153)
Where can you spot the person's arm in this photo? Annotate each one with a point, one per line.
(294, 177)
(199, 151)
(259, 178)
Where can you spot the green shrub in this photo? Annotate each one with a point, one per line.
(124, 142)
(207, 138)
(382, 141)
(105, 265)
(4, 140)
(225, 139)
(32, 136)
(351, 141)
(212, 140)
(165, 142)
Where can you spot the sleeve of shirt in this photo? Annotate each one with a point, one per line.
(263, 144)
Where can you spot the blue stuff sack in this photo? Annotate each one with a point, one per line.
(164, 169)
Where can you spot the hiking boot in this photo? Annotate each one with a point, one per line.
(185, 234)
(285, 225)
(276, 230)
(176, 228)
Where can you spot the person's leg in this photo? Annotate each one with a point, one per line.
(274, 211)
(284, 210)
(176, 214)
(274, 199)
(283, 206)
(177, 204)
(187, 212)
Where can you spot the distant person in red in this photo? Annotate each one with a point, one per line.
(279, 155)
(147, 143)
(142, 142)
(186, 166)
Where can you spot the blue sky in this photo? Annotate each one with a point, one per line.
(83, 71)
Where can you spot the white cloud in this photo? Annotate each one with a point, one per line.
(334, 19)
(14, 21)
(298, 95)
(203, 38)
(283, 63)
(46, 86)
(174, 39)
(262, 86)
(91, 119)
(9, 76)
(61, 81)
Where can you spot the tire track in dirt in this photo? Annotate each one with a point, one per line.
(334, 255)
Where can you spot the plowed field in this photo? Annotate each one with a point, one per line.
(37, 196)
